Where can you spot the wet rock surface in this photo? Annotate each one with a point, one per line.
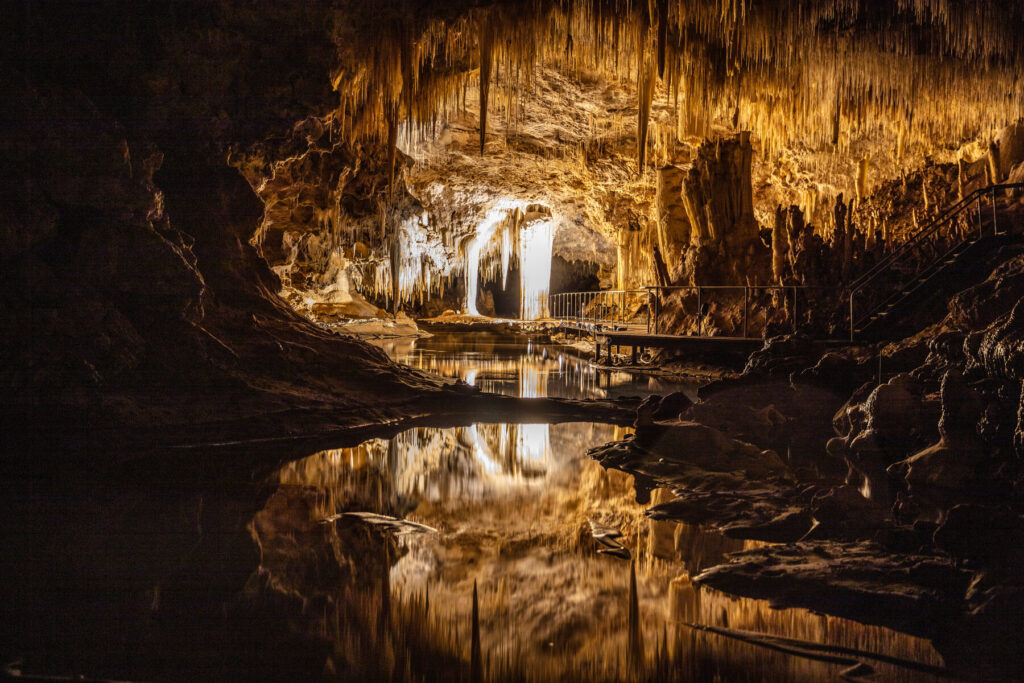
(895, 502)
(863, 581)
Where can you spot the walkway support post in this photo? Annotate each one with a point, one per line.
(794, 311)
(746, 311)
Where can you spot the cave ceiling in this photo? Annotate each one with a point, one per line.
(583, 99)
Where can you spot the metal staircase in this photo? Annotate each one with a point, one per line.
(879, 296)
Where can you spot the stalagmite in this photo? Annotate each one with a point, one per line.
(862, 180)
(673, 225)
(780, 246)
(993, 163)
(718, 196)
(841, 237)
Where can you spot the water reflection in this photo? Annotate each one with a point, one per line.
(519, 367)
(513, 506)
(209, 573)
(516, 521)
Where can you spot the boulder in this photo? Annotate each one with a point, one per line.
(940, 473)
(999, 350)
(977, 307)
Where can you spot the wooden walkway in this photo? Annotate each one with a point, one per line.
(610, 336)
(731, 346)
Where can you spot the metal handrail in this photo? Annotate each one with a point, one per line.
(747, 291)
(916, 242)
(931, 227)
(611, 306)
(574, 305)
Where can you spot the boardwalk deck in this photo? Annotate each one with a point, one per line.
(636, 337)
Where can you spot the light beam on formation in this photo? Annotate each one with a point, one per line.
(536, 242)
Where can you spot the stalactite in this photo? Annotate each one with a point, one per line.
(486, 60)
(662, 11)
(787, 75)
(645, 95)
(392, 148)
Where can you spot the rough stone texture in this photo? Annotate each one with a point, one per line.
(915, 594)
(1018, 437)
(946, 470)
(673, 224)
(999, 349)
(892, 420)
(979, 306)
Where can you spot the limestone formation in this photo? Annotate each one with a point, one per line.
(935, 473)
(673, 223)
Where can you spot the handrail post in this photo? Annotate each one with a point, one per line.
(995, 224)
(657, 311)
(851, 315)
(699, 316)
(980, 234)
(649, 311)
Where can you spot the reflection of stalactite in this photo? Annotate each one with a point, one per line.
(636, 645)
(476, 665)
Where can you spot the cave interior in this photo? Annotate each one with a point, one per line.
(416, 340)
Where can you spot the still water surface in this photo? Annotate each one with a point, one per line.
(513, 508)
(227, 568)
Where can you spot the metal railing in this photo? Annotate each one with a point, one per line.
(621, 308)
(916, 258)
(618, 307)
(753, 299)
(919, 257)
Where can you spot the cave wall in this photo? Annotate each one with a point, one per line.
(135, 299)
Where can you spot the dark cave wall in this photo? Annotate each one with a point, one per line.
(133, 297)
